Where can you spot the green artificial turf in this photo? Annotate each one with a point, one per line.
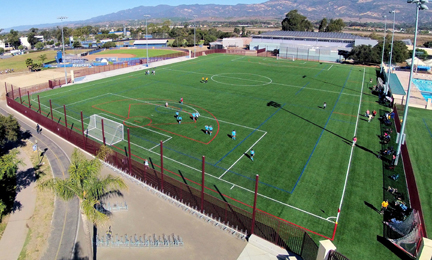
(139, 52)
(302, 151)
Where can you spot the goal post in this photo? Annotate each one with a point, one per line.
(114, 131)
(285, 57)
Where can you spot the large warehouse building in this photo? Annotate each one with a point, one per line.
(318, 46)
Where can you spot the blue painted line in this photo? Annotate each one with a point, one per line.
(301, 88)
(250, 134)
(343, 121)
(430, 133)
(322, 132)
(319, 72)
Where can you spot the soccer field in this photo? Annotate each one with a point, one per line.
(302, 151)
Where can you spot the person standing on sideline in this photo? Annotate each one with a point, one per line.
(384, 206)
(233, 134)
(146, 164)
(37, 128)
(324, 105)
(354, 141)
(252, 153)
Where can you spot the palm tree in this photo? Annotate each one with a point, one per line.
(86, 183)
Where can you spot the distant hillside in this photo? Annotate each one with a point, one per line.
(314, 10)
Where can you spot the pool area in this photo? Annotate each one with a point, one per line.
(425, 87)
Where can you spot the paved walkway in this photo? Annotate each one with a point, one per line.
(15, 233)
(62, 240)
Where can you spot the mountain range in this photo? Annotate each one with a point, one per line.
(314, 10)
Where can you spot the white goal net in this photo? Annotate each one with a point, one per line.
(114, 131)
(285, 57)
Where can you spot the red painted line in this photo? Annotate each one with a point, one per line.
(344, 114)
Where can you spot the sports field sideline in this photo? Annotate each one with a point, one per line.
(302, 151)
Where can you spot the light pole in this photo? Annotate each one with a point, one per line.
(385, 30)
(391, 52)
(61, 19)
(420, 5)
(146, 16)
(194, 37)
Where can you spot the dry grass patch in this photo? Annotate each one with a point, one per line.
(40, 223)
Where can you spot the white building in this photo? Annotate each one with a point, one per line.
(24, 42)
(226, 43)
(5, 45)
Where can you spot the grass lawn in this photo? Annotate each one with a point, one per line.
(302, 151)
(419, 141)
(139, 52)
(18, 62)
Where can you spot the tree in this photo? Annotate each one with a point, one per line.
(13, 38)
(21, 47)
(29, 63)
(323, 25)
(296, 22)
(428, 44)
(420, 53)
(86, 183)
(9, 129)
(42, 58)
(77, 44)
(109, 45)
(336, 25)
(237, 30)
(364, 54)
(1, 51)
(39, 46)
(32, 39)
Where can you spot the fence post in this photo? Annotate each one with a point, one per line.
(64, 109)
(82, 128)
(325, 246)
(19, 90)
(52, 117)
(40, 111)
(13, 94)
(28, 95)
(103, 132)
(129, 153)
(254, 205)
(202, 184)
(161, 152)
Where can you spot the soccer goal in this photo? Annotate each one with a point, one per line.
(114, 131)
(285, 57)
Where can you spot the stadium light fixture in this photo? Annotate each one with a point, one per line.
(382, 56)
(146, 16)
(61, 18)
(391, 52)
(420, 5)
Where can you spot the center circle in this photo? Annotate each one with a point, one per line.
(244, 79)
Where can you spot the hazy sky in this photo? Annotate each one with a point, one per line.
(46, 11)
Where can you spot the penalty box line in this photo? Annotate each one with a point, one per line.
(242, 156)
(240, 187)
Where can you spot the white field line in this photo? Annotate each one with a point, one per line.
(83, 100)
(242, 156)
(148, 129)
(240, 187)
(238, 58)
(285, 85)
(352, 150)
(226, 122)
(159, 144)
(330, 67)
(120, 77)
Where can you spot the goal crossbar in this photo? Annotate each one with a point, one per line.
(112, 130)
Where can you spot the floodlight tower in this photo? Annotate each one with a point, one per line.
(146, 16)
(391, 51)
(420, 5)
(63, 55)
(384, 40)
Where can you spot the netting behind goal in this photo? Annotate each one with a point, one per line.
(285, 56)
(114, 131)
